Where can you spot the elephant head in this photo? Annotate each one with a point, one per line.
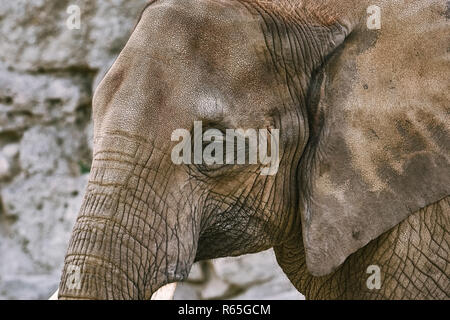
(362, 142)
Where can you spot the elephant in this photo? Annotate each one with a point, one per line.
(359, 205)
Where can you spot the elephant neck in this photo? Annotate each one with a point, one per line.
(291, 258)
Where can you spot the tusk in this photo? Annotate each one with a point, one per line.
(165, 293)
(54, 296)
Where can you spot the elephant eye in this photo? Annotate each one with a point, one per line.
(213, 152)
(218, 149)
(219, 159)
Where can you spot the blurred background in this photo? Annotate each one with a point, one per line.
(48, 73)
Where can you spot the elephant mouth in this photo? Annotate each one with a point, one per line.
(166, 292)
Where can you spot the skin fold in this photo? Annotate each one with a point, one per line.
(363, 177)
(413, 258)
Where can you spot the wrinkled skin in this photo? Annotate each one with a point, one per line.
(363, 177)
(413, 258)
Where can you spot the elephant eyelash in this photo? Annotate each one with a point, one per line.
(217, 170)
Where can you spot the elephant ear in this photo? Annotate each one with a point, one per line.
(380, 134)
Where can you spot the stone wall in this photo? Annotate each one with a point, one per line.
(47, 76)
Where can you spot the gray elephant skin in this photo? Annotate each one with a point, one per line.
(363, 178)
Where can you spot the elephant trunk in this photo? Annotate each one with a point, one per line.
(127, 242)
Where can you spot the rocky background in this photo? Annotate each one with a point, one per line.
(48, 73)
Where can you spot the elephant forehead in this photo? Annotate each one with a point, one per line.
(180, 65)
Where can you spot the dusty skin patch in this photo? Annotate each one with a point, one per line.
(394, 81)
(384, 135)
